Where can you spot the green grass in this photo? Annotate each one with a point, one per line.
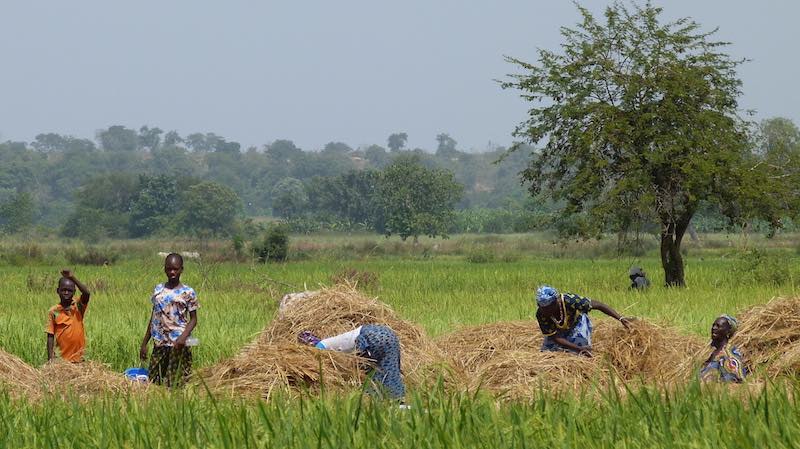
(238, 300)
(441, 291)
(690, 417)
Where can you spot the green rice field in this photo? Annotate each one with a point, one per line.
(441, 289)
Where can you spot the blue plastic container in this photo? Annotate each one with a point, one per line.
(136, 374)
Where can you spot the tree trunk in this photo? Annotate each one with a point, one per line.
(671, 259)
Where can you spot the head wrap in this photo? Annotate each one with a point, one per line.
(546, 295)
(307, 338)
(733, 323)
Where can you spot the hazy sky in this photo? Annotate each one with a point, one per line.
(316, 71)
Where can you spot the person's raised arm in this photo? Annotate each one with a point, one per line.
(605, 308)
(85, 293)
(143, 348)
(181, 341)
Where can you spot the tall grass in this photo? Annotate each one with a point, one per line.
(442, 291)
(238, 300)
(690, 417)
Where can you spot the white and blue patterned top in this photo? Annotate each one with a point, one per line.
(171, 309)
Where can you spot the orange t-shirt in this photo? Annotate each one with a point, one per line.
(67, 326)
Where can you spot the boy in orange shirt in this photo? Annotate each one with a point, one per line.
(65, 320)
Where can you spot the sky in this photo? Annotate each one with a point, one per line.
(317, 71)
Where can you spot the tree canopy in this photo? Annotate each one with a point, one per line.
(417, 200)
(636, 119)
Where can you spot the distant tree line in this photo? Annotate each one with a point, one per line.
(134, 183)
(129, 183)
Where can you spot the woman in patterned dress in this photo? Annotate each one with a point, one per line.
(375, 342)
(564, 320)
(724, 364)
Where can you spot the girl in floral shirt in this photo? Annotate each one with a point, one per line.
(172, 320)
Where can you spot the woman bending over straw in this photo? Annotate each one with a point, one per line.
(372, 341)
(564, 320)
(724, 364)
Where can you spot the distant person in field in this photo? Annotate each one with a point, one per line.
(564, 320)
(724, 364)
(375, 342)
(65, 320)
(172, 320)
(638, 278)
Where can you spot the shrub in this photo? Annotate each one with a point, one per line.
(237, 244)
(22, 255)
(761, 267)
(275, 246)
(480, 255)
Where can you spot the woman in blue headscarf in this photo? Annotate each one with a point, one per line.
(724, 364)
(564, 320)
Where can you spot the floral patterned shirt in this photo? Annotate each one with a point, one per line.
(572, 306)
(171, 309)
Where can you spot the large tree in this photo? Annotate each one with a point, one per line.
(154, 206)
(417, 200)
(289, 198)
(17, 215)
(777, 162)
(212, 208)
(636, 119)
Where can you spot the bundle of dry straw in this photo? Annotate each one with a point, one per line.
(517, 373)
(262, 368)
(506, 357)
(342, 308)
(275, 359)
(18, 377)
(471, 347)
(769, 335)
(648, 352)
(85, 379)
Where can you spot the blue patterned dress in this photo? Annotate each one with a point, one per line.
(576, 327)
(380, 344)
(727, 366)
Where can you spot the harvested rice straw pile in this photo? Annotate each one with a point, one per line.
(471, 347)
(261, 368)
(648, 352)
(769, 335)
(342, 308)
(18, 377)
(518, 373)
(505, 357)
(85, 379)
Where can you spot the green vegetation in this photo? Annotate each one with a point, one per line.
(633, 132)
(637, 119)
(415, 200)
(690, 417)
(275, 247)
(436, 284)
(442, 289)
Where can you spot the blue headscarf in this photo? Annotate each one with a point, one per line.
(732, 322)
(546, 295)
